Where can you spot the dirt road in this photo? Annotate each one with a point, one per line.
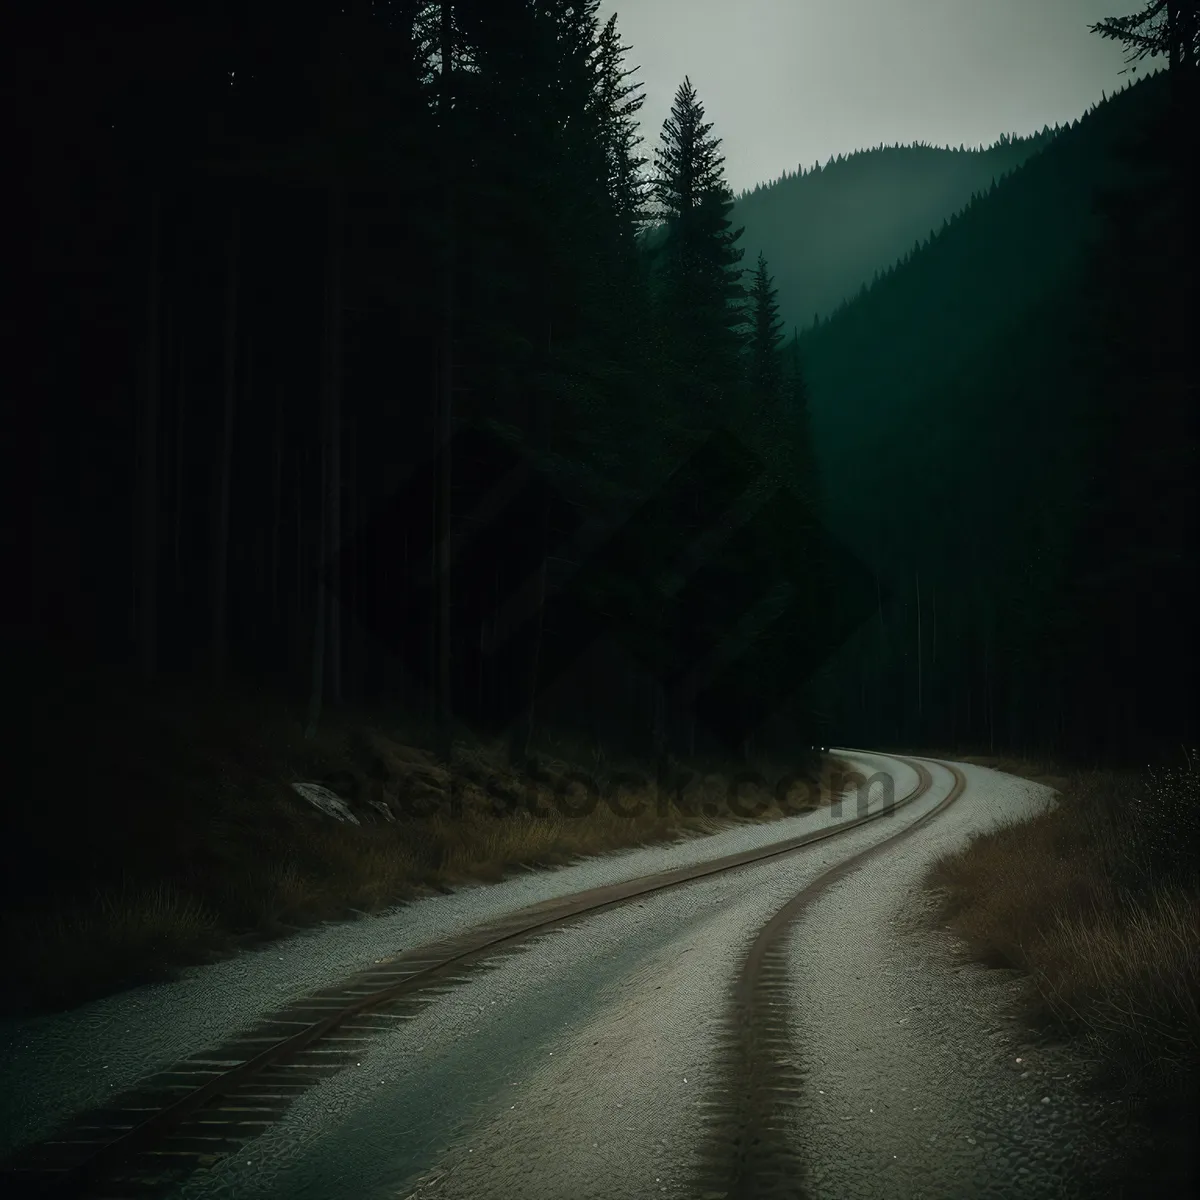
(609, 1056)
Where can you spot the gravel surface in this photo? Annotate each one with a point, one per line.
(54, 1066)
(581, 1066)
(577, 1068)
(918, 1082)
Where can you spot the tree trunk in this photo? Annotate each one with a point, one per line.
(220, 575)
(327, 634)
(262, 532)
(862, 682)
(276, 508)
(933, 652)
(299, 590)
(539, 436)
(660, 721)
(987, 683)
(881, 689)
(445, 421)
(148, 581)
(351, 659)
(535, 665)
(334, 386)
(919, 679)
(317, 689)
(180, 421)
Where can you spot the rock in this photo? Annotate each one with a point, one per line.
(331, 804)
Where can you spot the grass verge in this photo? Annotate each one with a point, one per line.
(1097, 901)
(164, 830)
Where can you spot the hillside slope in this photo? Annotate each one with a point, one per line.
(1000, 427)
(968, 337)
(827, 231)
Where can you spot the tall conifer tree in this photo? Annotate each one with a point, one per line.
(764, 369)
(701, 293)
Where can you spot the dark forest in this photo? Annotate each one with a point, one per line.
(391, 426)
(281, 257)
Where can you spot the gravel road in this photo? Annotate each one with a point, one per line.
(578, 1068)
(587, 1063)
(917, 1081)
(56, 1065)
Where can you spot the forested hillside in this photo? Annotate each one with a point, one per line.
(386, 411)
(281, 257)
(426, 484)
(306, 285)
(1005, 422)
(870, 207)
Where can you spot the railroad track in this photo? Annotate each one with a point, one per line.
(149, 1139)
(749, 1154)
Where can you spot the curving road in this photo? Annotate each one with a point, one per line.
(644, 1049)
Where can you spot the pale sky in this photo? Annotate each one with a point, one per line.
(788, 82)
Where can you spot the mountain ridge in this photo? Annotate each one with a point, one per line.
(867, 208)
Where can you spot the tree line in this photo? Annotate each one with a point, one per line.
(283, 258)
(308, 287)
(1031, 391)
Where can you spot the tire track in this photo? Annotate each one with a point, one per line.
(184, 1118)
(750, 1156)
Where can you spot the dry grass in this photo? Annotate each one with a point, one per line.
(1129, 978)
(172, 832)
(1098, 901)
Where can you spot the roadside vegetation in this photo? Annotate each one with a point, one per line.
(164, 831)
(1097, 901)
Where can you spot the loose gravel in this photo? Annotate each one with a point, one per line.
(583, 1065)
(579, 1068)
(52, 1067)
(918, 1081)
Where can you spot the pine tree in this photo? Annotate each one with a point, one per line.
(1163, 27)
(764, 369)
(701, 292)
(618, 393)
(795, 426)
(615, 106)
